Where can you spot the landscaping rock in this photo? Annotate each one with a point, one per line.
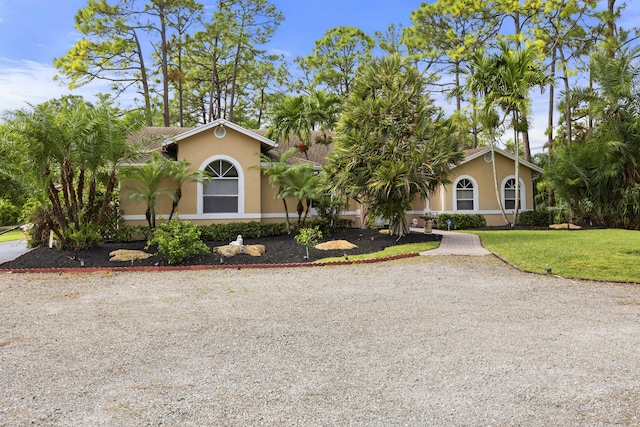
(232, 250)
(128, 255)
(335, 244)
(565, 226)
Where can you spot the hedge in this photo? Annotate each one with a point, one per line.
(460, 221)
(537, 218)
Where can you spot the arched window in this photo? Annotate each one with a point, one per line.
(465, 195)
(220, 193)
(509, 194)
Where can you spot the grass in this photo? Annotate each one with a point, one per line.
(11, 235)
(389, 251)
(610, 254)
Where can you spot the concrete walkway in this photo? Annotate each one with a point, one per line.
(456, 244)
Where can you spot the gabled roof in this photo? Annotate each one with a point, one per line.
(187, 132)
(474, 153)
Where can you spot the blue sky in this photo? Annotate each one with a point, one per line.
(34, 32)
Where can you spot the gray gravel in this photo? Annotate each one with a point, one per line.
(425, 341)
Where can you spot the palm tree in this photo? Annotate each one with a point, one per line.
(111, 134)
(301, 182)
(299, 115)
(148, 180)
(506, 79)
(291, 117)
(68, 145)
(276, 172)
(480, 83)
(181, 173)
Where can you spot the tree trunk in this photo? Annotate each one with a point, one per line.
(495, 184)
(165, 69)
(517, 173)
(567, 108)
(146, 93)
(111, 183)
(300, 209)
(554, 58)
(399, 227)
(286, 216)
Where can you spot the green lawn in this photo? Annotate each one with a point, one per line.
(610, 254)
(391, 250)
(11, 235)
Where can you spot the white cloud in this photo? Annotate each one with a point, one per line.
(27, 82)
(284, 53)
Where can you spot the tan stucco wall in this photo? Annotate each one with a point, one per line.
(134, 206)
(482, 174)
(242, 149)
(198, 150)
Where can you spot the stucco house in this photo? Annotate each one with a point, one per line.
(472, 188)
(240, 192)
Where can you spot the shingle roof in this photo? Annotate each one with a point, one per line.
(152, 137)
(317, 153)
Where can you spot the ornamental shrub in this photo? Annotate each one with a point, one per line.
(178, 240)
(461, 221)
(539, 218)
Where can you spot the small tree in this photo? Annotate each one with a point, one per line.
(309, 237)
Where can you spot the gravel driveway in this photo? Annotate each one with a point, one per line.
(430, 341)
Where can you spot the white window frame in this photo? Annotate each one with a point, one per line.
(475, 194)
(521, 190)
(200, 189)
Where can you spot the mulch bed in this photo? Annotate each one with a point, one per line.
(279, 250)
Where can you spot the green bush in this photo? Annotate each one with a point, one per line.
(8, 213)
(534, 218)
(248, 230)
(461, 221)
(178, 240)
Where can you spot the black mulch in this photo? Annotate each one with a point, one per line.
(279, 250)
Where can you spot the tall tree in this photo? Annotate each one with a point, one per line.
(390, 145)
(336, 58)
(225, 55)
(512, 74)
(110, 49)
(112, 46)
(444, 34)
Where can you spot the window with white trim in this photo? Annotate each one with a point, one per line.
(465, 195)
(509, 194)
(220, 193)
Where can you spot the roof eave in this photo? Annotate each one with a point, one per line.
(504, 153)
(266, 142)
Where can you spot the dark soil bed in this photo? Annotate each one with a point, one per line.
(279, 250)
